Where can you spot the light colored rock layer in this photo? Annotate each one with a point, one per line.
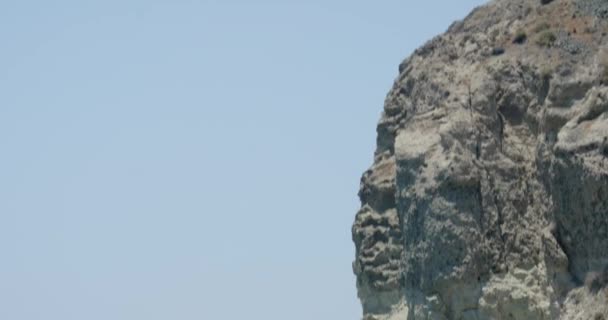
(488, 196)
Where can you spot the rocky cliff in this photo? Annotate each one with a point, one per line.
(488, 195)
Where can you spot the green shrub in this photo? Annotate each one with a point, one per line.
(546, 38)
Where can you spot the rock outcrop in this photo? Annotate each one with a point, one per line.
(488, 195)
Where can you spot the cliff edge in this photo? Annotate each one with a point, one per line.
(488, 195)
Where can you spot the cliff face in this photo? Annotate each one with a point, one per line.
(488, 195)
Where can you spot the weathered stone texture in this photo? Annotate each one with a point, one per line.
(488, 195)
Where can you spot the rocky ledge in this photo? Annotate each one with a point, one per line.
(488, 195)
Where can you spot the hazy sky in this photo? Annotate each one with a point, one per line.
(191, 159)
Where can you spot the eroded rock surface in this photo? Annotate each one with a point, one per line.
(488, 195)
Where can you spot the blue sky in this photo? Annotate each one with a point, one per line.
(191, 159)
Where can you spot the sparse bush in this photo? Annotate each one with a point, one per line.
(603, 67)
(542, 27)
(546, 38)
(494, 35)
(546, 72)
(604, 75)
(520, 37)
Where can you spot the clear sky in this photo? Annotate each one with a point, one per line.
(191, 159)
